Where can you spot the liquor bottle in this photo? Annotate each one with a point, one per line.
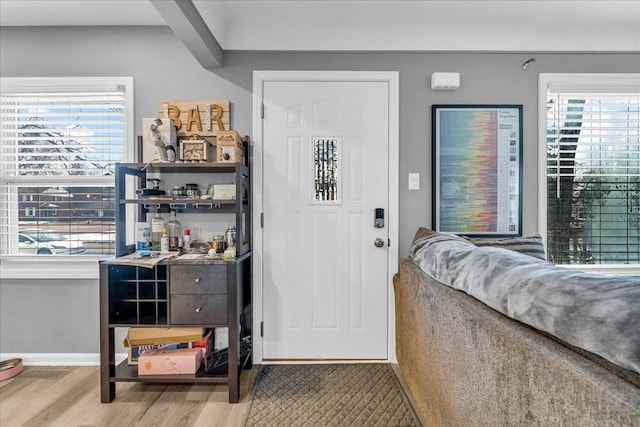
(186, 240)
(157, 224)
(164, 242)
(175, 232)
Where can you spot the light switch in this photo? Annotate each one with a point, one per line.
(414, 181)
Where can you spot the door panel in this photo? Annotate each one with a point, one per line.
(324, 281)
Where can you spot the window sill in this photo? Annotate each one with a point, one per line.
(45, 267)
(620, 269)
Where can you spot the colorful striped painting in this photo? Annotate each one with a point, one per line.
(475, 169)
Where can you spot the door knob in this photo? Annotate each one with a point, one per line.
(378, 243)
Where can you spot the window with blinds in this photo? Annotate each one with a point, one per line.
(60, 141)
(593, 175)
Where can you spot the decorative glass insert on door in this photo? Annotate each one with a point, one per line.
(326, 170)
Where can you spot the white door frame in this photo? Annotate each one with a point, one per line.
(259, 78)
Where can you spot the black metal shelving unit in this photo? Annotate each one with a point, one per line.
(206, 293)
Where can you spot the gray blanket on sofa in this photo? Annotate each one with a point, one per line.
(598, 313)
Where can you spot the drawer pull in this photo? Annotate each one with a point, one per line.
(198, 309)
(198, 280)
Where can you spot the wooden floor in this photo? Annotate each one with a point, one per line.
(70, 396)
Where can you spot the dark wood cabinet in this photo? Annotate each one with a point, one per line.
(194, 309)
(201, 292)
(137, 295)
(198, 279)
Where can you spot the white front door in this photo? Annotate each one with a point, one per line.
(325, 170)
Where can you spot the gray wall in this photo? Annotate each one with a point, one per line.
(61, 316)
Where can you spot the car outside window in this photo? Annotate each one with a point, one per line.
(60, 140)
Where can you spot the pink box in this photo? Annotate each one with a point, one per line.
(170, 361)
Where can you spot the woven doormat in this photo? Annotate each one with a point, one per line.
(329, 395)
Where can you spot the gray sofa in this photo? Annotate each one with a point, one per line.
(467, 364)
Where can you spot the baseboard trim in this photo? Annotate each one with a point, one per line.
(320, 361)
(407, 392)
(59, 359)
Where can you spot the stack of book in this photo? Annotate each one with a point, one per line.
(140, 340)
(166, 351)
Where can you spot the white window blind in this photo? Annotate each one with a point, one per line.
(60, 141)
(593, 174)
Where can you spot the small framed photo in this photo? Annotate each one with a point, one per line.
(192, 150)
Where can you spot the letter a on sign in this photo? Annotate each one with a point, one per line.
(194, 117)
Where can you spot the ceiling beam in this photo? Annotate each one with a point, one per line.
(187, 24)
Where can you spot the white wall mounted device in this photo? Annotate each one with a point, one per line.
(445, 81)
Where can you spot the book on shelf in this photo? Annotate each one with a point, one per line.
(141, 340)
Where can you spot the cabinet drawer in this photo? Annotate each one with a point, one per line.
(198, 309)
(198, 279)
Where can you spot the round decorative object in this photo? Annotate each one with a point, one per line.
(10, 368)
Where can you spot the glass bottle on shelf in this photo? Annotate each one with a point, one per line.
(164, 244)
(175, 232)
(157, 224)
(186, 241)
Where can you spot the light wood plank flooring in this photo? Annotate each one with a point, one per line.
(70, 396)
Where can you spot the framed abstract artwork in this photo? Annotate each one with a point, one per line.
(477, 169)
